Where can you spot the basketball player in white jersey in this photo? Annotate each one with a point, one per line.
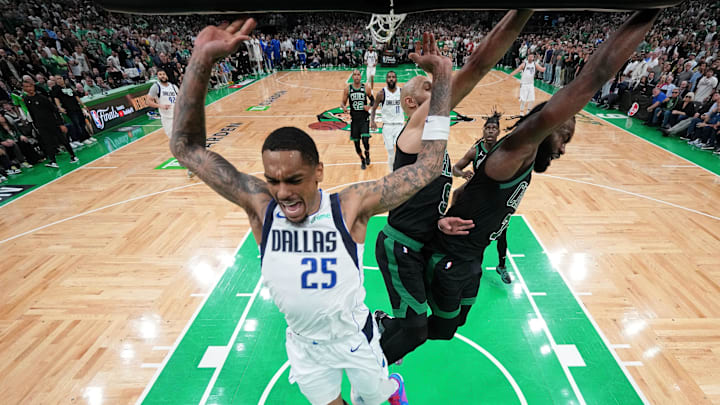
(163, 95)
(392, 115)
(371, 59)
(311, 242)
(527, 82)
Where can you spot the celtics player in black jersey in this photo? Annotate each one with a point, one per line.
(494, 192)
(476, 155)
(357, 94)
(411, 225)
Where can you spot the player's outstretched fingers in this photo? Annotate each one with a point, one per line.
(433, 45)
(235, 26)
(248, 26)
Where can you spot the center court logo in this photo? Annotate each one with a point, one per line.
(336, 118)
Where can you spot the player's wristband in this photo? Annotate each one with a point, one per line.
(437, 128)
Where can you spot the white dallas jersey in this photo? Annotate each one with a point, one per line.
(167, 95)
(314, 272)
(392, 112)
(371, 58)
(528, 74)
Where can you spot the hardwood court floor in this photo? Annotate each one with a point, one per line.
(91, 305)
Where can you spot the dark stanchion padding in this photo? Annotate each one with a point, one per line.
(367, 6)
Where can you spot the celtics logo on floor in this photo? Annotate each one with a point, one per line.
(335, 118)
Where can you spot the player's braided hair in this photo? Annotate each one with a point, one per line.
(494, 118)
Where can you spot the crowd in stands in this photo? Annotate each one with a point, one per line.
(71, 49)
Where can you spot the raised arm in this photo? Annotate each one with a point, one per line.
(361, 201)
(607, 60)
(188, 137)
(379, 99)
(483, 58)
(488, 53)
(516, 71)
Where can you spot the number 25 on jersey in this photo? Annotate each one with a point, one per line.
(310, 278)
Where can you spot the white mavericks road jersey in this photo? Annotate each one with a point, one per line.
(371, 58)
(166, 95)
(528, 74)
(314, 272)
(392, 113)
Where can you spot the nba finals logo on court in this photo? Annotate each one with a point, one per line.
(336, 118)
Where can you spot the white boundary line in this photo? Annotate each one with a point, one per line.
(97, 167)
(592, 320)
(471, 343)
(150, 195)
(230, 343)
(631, 193)
(175, 345)
(497, 364)
(122, 147)
(79, 167)
(546, 330)
(271, 384)
(623, 129)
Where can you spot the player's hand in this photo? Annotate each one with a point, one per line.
(24, 139)
(216, 42)
(430, 60)
(63, 129)
(467, 175)
(373, 126)
(366, 108)
(455, 225)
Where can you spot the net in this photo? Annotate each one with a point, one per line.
(383, 26)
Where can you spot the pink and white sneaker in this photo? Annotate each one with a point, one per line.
(399, 397)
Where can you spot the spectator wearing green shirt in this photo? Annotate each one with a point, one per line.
(91, 88)
(62, 65)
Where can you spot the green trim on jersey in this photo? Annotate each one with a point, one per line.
(517, 179)
(402, 238)
(406, 299)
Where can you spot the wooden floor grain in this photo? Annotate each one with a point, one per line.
(109, 260)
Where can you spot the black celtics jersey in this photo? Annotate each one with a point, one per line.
(418, 216)
(480, 155)
(358, 100)
(490, 204)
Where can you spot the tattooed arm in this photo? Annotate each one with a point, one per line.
(188, 138)
(361, 201)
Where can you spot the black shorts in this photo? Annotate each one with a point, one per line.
(452, 284)
(402, 265)
(359, 126)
